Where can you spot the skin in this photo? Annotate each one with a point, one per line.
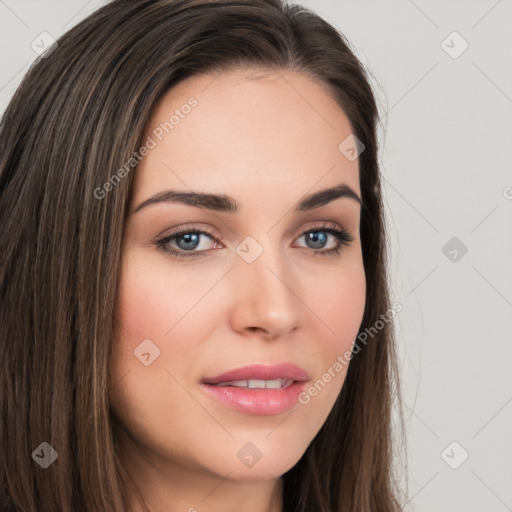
(266, 139)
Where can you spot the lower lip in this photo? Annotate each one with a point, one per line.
(257, 401)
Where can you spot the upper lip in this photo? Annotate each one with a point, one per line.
(261, 372)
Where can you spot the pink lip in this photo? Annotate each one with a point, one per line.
(262, 372)
(258, 401)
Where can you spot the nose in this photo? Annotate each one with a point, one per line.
(264, 298)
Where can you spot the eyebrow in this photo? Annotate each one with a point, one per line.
(223, 203)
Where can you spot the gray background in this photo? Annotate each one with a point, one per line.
(446, 163)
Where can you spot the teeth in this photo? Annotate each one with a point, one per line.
(258, 384)
(271, 384)
(253, 383)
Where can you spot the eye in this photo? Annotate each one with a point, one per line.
(186, 243)
(318, 237)
(186, 240)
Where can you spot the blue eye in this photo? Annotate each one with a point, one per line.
(318, 238)
(186, 240)
(182, 244)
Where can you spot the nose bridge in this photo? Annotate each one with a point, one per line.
(264, 286)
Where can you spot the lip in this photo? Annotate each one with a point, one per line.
(258, 401)
(261, 372)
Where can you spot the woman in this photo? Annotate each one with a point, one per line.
(194, 301)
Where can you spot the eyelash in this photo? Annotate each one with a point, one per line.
(342, 236)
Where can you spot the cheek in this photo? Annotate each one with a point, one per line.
(153, 301)
(339, 303)
(151, 312)
(145, 311)
(144, 302)
(340, 307)
(157, 335)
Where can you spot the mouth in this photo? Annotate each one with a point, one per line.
(278, 383)
(260, 372)
(258, 389)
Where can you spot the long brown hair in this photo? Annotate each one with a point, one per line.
(77, 117)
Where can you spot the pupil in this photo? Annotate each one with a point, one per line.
(194, 243)
(316, 239)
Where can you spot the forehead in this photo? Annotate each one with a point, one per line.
(249, 130)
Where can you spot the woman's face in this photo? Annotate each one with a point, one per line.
(253, 289)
